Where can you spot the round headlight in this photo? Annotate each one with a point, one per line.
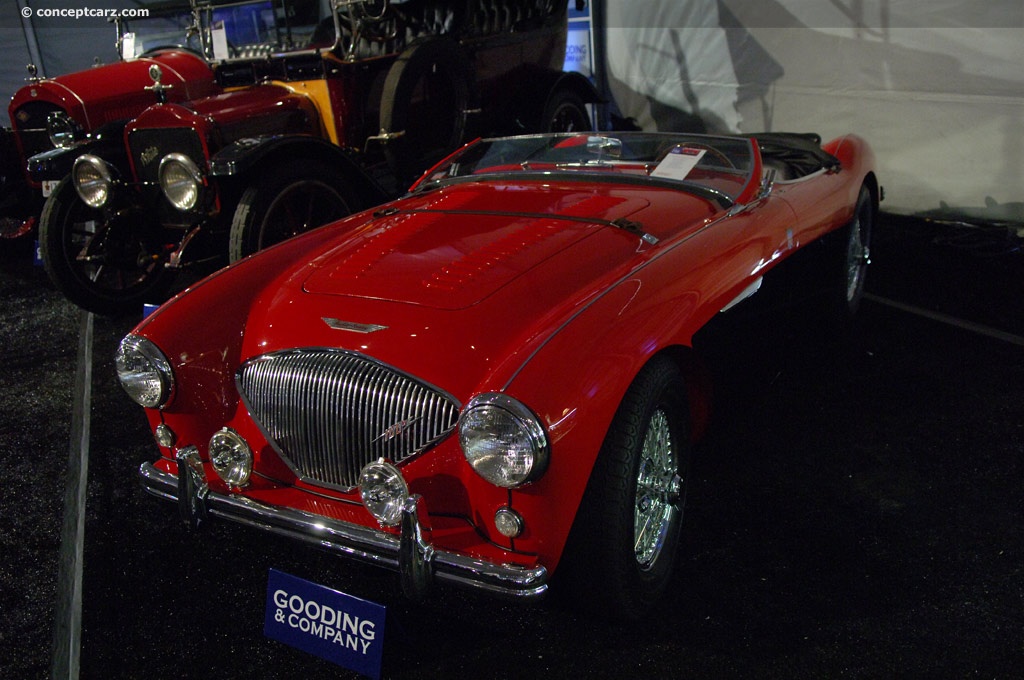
(93, 180)
(62, 129)
(181, 181)
(231, 457)
(144, 372)
(503, 440)
(383, 491)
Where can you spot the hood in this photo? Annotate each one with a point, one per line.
(118, 91)
(458, 286)
(254, 111)
(451, 250)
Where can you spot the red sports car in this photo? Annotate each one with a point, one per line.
(492, 379)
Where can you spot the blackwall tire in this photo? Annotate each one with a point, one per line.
(285, 202)
(424, 102)
(108, 266)
(851, 261)
(623, 546)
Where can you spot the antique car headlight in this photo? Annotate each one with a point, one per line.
(181, 181)
(144, 372)
(503, 440)
(383, 490)
(93, 180)
(63, 130)
(231, 457)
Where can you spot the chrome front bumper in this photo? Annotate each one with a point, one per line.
(409, 553)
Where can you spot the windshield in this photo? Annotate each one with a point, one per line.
(168, 27)
(258, 28)
(719, 165)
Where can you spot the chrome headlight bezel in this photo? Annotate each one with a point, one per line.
(94, 180)
(383, 491)
(181, 181)
(231, 457)
(144, 372)
(503, 440)
(63, 130)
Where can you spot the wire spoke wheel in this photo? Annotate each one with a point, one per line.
(623, 545)
(657, 491)
(858, 254)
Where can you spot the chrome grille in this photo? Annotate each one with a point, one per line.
(329, 412)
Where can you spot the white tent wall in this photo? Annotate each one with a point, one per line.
(935, 86)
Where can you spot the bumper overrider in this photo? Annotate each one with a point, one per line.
(410, 553)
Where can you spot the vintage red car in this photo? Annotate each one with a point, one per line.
(85, 111)
(323, 113)
(493, 379)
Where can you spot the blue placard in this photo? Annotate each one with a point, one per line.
(343, 629)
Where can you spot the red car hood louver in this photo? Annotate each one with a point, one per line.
(449, 251)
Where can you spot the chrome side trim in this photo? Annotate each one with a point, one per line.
(362, 543)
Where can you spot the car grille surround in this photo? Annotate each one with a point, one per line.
(328, 412)
(149, 146)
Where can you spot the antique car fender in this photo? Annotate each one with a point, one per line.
(117, 91)
(251, 153)
(106, 142)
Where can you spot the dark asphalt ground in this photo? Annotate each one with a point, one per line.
(857, 510)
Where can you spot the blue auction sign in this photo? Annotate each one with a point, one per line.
(342, 629)
(579, 41)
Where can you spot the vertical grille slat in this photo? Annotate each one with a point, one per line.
(329, 412)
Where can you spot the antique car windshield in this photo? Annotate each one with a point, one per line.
(165, 27)
(257, 28)
(718, 165)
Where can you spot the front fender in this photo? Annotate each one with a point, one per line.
(107, 142)
(252, 154)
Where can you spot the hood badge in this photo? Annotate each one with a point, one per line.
(339, 325)
(149, 155)
(397, 430)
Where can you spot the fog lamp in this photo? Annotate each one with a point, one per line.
(93, 180)
(508, 522)
(164, 436)
(144, 372)
(231, 457)
(63, 130)
(383, 491)
(181, 181)
(503, 440)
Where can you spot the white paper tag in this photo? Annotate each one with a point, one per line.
(128, 46)
(678, 163)
(220, 41)
(48, 186)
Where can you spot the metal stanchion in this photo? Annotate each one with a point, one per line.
(67, 629)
